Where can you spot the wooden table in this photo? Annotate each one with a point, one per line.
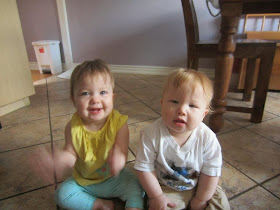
(231, 10)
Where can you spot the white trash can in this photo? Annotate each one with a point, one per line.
(48, 56)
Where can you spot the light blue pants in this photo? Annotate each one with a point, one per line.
(71, 195)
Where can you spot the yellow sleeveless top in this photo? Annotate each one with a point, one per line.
(92, 148)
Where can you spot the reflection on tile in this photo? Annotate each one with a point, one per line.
(234, 182)
(251, 153)
(24, 134)
(134, 133)
(147, 94)
(58, 126)
(273, 186)
(16, 175)
(137, 112)
(38, 199)
(269, 129)
(257, 198)
(26, 114)
(58, 108)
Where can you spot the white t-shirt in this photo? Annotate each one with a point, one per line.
(177, 167)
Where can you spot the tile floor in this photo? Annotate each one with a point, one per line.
(251, 152)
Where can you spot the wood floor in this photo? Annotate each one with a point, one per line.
(37, 76)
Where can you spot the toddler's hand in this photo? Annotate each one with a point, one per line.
(115, 162)
(41, 163)
(160, 202)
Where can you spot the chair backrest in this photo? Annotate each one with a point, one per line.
(191, 25)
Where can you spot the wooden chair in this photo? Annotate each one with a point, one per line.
(250, 49)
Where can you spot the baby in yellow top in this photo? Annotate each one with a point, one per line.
(96, 145)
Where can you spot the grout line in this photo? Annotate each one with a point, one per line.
(29, 191)
(52, 145)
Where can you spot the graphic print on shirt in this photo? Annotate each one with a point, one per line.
(104, 171)
(182, 178)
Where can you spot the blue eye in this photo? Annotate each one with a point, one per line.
(85, 93)
(103, 92)
(174, 101)
(192, 106)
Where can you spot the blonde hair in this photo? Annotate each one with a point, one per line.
(193, 78)
(89, 67)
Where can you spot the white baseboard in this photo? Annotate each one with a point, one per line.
(130, 69)
(14, 106)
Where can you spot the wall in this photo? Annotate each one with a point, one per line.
(122, 32)
(39, 20)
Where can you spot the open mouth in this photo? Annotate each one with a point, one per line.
(179, 122)
(95, 110)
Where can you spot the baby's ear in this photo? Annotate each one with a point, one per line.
(206, 112)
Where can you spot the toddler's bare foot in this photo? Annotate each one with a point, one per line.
(102, 204)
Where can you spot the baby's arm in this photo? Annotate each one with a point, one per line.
(118, 154)
(205, 190)
(149, 181)
(45, 161)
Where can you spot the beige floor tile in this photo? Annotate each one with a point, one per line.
(38, 199)
(274, 94)
(55, 79)
(273, 186)
(124, 97)
(59, 95)
(40, 86)
(154, 105)
(243, 119)
(252, 154)
(26, 114)
(154, 79)
(269, 129)
(272, 105)
(120, 77)
(234, 182)
(55, 86)
(227, 127)
(256, 199)
(39, 98)
(24, 134)
(134, 133)
(147, 94)
(58, 125)
(64, 107)
(16, 175)
(137, 112)
(134, 84)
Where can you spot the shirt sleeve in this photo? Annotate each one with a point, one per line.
(212, 158)
(146, 154)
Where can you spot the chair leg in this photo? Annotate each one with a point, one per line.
(249, 79)
(262, 85)
(193, 63)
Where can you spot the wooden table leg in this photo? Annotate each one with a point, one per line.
(230, 18)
